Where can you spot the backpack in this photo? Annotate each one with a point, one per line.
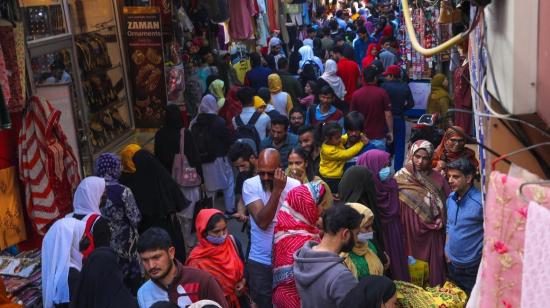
(315, 66)
(248, 130)
(204, 141)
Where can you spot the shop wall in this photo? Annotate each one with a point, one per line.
(543, 82)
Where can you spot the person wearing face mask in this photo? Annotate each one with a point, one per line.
(362, 260)
(387, 202)
(297, 223)
(321, 277)
(219, 254)
(422, 195)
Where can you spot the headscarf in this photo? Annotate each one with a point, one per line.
(308, 42)
(88, 196)
(387, 31)
(417, 190)
(101, 283)
(259, 102)
(333, 80)
(370, 292)
(369, 58)
(156, 192)
(274, 83)
(109, 167)
(59, 253)
(274, 41)
(307, 54)
(221, 261)
(208, 105)
(441, 152)
(231, 108)
(216, 89)
(126, 156)
(357, 186)
(362, 249)
(387, 193)
(438, 91)
(296, 225)
(203, 303)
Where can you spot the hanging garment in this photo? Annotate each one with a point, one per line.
(504, 253)
(47, 164)
(273, 15)
(9, 51)
(5, 121)
(19, 36)
(240, 19)
(535, 267)
(12, 225)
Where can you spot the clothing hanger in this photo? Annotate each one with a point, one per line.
(520, 189)
(504, 156)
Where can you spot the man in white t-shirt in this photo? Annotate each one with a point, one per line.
(263, 195)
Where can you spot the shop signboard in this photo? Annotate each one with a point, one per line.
(143, 31)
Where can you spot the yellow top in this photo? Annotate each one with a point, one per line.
(333, 158)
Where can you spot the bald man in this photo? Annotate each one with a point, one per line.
(263, 195)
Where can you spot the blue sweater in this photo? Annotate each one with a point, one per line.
(464, 228)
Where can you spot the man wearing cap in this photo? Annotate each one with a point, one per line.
(374, 103)
(401, 100)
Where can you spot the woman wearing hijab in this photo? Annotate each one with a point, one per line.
(439, 99)
(333, 80)
(213, 141)
(89, 198)
(294, 58)
(451, 148)
(123, 217)
(219, 254)
(281, 101)
(61, 261)
(231, 108)
(216, 88)
(363, 260)
(158, 197)
(387, 198)
(128, 167)
(372, 292)
(422, 195)
(308, 57)
(297, 223)
(370, 56)
(100, 284)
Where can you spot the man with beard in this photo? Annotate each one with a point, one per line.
(244, 158)
(297, 119)
(280, 139)
(321, 277)
(170, 280)
(263, 195)
(353, 124)
(306, 140)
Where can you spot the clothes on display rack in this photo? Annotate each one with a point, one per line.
(505, 252)
(240, 19)
(462, 98)
(47, 165)
(12, 225)
(10, 71)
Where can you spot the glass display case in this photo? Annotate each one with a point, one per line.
(43, 18)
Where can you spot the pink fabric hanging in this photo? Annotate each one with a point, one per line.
(240, 19)
(505, 222)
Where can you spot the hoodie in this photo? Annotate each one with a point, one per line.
(321, 277)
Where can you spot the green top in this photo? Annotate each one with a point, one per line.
(361, 263)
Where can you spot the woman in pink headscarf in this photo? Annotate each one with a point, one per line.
(387, 197)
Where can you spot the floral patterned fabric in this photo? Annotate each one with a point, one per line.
(503, 251)
(413, 296)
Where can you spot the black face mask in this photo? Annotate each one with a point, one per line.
(349, 245)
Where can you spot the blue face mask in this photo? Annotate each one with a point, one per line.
(384, 174)
(216, 240)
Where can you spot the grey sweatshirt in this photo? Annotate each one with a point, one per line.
(321, 278)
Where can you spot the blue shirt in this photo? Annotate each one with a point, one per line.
(360, 47)
(464, 228)
(290, 142)
(400, 96)
(257, 77)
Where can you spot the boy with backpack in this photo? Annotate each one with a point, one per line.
(250, 124)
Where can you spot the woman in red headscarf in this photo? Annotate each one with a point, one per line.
(231, 108)
(219, 254)
(370, 56)
(451, 148)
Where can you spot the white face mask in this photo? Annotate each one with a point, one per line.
(363, 237)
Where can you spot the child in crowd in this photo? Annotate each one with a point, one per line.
(259, 104)
(334, 154)
(309, 89)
